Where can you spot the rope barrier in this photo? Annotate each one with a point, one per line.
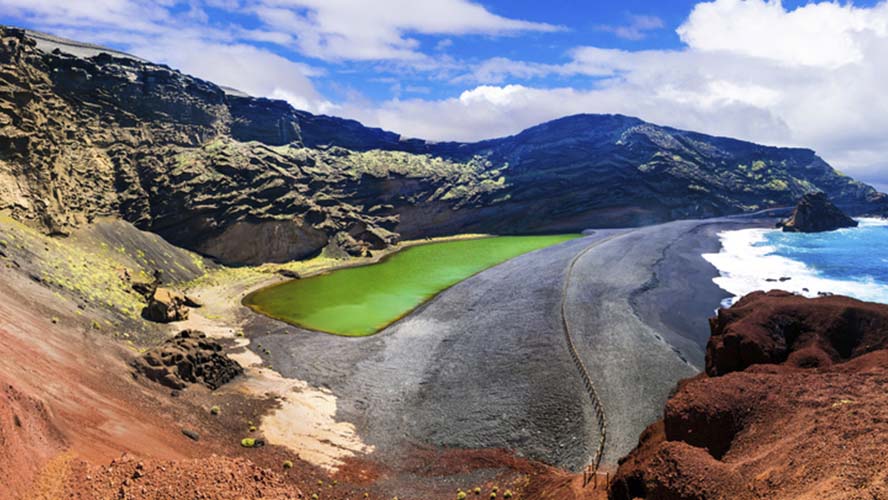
(595, 463)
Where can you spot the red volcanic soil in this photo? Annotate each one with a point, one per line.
(66, 391)
(794, 405)
(75, 423)
(211, 478)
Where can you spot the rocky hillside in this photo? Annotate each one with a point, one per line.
(248, 180)
(793, 393)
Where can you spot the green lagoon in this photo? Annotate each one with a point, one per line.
(360, 301)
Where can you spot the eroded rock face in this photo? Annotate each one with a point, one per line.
(188, 358)
(781, 328)
(794, 392)
(816, 214)
(166, 306)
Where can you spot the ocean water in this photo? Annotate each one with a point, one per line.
(852, 262)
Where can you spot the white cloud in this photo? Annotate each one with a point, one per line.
(825, 34)
(636, 29)
(378, 30)
(244, 67)
(143, 16)
(499, 69)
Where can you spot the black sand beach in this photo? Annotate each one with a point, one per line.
(485, 364)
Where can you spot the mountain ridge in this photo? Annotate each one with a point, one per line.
(248, 180)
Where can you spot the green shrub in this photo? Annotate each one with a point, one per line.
(248, 442)
(288, 464)
(507, 494)
(215, 410)
(461, 495)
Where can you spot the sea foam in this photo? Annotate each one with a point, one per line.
(748, 261)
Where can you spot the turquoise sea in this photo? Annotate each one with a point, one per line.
(851, 262)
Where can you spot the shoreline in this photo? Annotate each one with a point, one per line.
(257, 308)
(747, 262)
(320, 438)
(683, 292)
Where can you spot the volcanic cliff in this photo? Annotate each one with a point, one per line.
(792, 406)
(248, 180)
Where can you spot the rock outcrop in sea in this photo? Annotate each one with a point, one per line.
(816, 214)
(790, 406)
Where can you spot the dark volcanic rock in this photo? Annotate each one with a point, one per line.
(816, 214)
(264, 120)
(788, 409)
(251, 180)
(188, 358)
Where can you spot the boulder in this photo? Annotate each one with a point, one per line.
(288, 273)
(166, 306)
(815, 214)
(188, 358)
(344, 245)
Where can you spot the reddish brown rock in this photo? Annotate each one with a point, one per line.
(166, 306)
(789, 409)
(779, 327)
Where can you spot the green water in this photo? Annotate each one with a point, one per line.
(360, 301)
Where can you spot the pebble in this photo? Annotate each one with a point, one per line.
(191, 434)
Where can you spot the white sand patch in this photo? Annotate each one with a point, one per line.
(305, 421)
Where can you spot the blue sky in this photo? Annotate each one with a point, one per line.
(794, 73)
